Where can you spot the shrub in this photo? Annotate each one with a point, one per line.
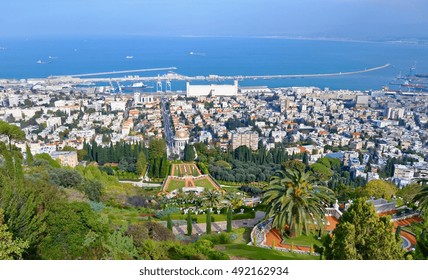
(166, 211)
(222, 238)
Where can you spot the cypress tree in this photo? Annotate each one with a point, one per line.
(29, 155)
(189, 153)
(229, 219)
(208, 221)
(169, 222)
(189, 223)
(155, 169)
(305, 159)
(163, 167)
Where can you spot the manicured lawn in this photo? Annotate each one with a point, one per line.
(416, 228)
(205, 183)
(257, 253)
(195, 171)
(177, 171)
(181, 170)
(175, 184)
(243, 235)
(306, 240)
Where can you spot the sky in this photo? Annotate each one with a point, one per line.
(351, 19)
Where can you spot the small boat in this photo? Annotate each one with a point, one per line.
(43, 62)
(197, 53)
(129, 57)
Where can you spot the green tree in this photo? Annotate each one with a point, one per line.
(234, 200)
(362, 235)
(294, 164)
(12, 132)
(229, 219)
(421, 252)
(321, 171)
(30, 157)
(169, 222)
(26, 202)
(163, 166)
(148, 230)
(82, 154)
(421, 198)
(208, 221)
(49, 159)
(141, 164)
(211, 198)
(189, 153)
(157, 148)
(293, 199)
(408, 192)
(73, 232)
(305, 158)
(380, 189)
(69, 178)
(189, 223)
(119, 246)
(9, 248)
(92, 188)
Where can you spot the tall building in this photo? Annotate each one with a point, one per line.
(137, 97)
(249, 139)
(285, 103)
(394, 113)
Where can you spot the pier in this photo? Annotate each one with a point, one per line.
(171, 76)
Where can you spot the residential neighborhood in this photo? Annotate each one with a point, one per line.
(365, 130)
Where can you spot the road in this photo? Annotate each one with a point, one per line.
(142, 184)
(169, 135)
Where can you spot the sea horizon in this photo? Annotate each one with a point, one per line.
(193, 56)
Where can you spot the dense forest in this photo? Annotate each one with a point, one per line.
(133, 158)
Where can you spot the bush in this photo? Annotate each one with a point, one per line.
(222, 238)
(96, 206)
(251, 190)
(92, 189)
(149, 230)
(166, 211)
(69, 178)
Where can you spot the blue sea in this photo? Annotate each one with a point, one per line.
(217, 56)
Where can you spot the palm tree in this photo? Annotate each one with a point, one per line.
(422, 196)
(212, 198)
(293, 200)
(191, 197)
(234, 200)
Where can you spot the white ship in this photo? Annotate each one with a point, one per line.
(135, 86)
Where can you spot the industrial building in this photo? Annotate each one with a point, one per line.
(213, 90)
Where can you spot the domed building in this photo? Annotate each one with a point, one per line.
(181, 138)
